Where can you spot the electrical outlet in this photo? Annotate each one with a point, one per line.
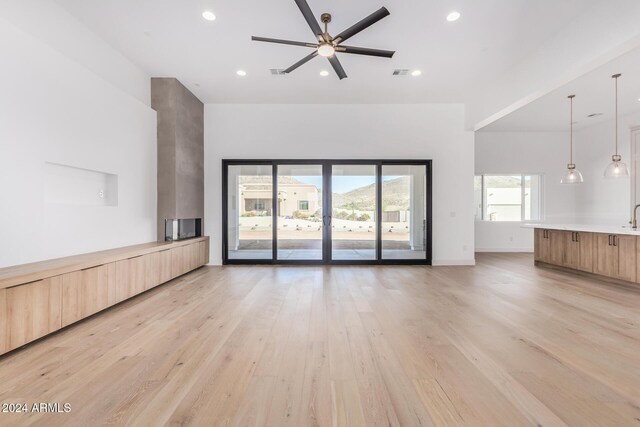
(101, 194)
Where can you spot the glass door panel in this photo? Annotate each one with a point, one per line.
(404, 214)
(299, 210)
(354, 206)
(250, 212)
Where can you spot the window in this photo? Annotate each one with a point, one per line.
(507, 197)
(303, 205)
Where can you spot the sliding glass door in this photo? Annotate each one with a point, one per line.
(354, 231)
(326, 212)
(299, 233)
(249, 196)
(404, 213)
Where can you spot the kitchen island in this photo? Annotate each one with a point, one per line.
(607, 251)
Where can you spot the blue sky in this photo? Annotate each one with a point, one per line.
(343, 184)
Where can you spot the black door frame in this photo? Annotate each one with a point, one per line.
(326, 203)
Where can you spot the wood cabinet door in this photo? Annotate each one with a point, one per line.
(86, 292)
(604, 255)
(586, 258)
(33, 310)
(556, 247)
(194, 251)
(625, 251)
(4, 342)
(177, 261)
(165, 265)
(545, 246)
(202, 253)
(538, 237)
(129, 278)
(151, 270)
(188, 258)
(571, 256)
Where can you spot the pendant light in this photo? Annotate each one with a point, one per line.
(616, 169)
(571, 175)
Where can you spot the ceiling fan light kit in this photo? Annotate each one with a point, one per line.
(327, 46)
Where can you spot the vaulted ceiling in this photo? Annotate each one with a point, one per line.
(170, 38)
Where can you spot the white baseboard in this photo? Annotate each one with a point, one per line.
(526, 250)
(445, 262)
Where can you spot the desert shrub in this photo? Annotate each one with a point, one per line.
(341, 215)
(364, 217)
(300, 215)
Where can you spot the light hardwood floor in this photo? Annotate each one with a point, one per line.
(502, 343)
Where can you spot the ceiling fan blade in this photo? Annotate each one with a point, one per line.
(294, 43)
(365, 23)
(337, 66)
(365, 51)
(301, 62)
(311, 20)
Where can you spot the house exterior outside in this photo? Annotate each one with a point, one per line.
(294, 199)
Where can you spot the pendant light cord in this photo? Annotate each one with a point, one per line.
(571, 129)
(617, 113)
(571, 132)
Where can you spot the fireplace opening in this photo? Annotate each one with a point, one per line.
(181, 229)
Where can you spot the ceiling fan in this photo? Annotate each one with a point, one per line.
(327, 45)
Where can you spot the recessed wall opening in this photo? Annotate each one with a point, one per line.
(327, 211)
(70, 185)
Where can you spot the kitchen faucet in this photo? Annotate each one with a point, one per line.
(634, 223)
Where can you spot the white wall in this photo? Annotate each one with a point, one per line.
(604, 31)
(54, 109)
(545, 153)
(52, 25)
(351, 131)
(600, 200)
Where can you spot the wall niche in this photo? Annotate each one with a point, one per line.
(69, 185)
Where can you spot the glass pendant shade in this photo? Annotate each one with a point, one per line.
(616, 169)
(571, 175)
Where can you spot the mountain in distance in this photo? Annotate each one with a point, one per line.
(395, 193)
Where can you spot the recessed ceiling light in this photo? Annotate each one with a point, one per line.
(453, 16)
(241, 73)
(416, 73)
(324, 73)
(208, 15)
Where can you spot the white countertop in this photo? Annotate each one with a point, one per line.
(593, 228)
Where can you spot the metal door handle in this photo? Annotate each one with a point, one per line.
(610, 236)
(577, 236)
(615, 240)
